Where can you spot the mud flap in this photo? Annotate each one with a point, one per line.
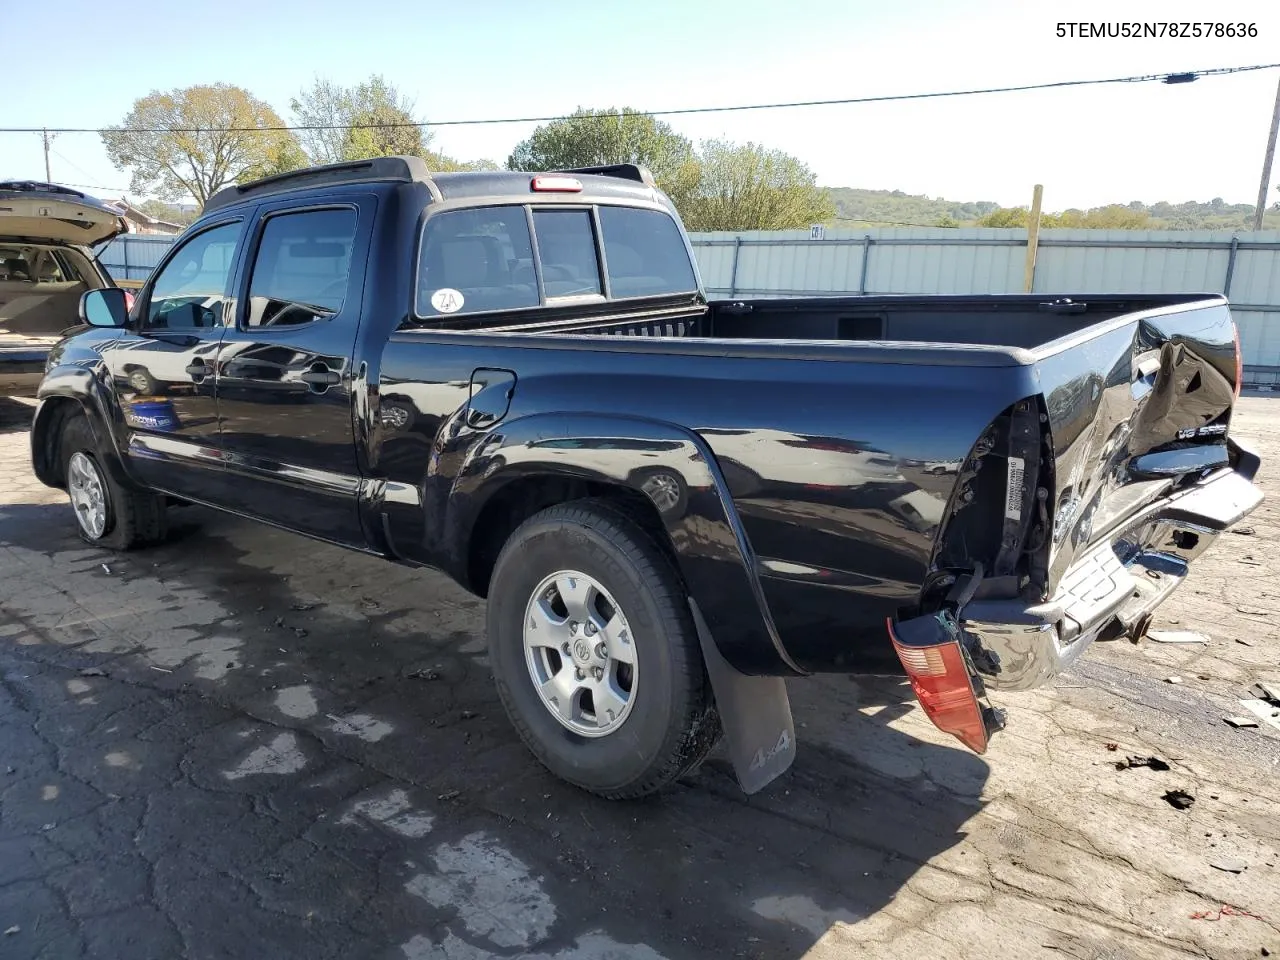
(755, 714)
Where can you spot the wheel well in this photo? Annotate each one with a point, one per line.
(44, 442)
(521, 499)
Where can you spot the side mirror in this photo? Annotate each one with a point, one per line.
(104, 308)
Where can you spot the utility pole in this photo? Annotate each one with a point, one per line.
(1264, 188)
(48, 177)
(1033, 239)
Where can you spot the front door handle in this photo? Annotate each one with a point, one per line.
(321, 377)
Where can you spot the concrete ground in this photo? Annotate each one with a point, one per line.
(247, 745)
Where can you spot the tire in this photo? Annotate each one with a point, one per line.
(668, 723)
(129, 517)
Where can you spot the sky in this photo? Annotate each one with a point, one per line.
(501, 58)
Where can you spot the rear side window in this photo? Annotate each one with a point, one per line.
(645, 253)
(567, 252)
(303, 267)
(475, 260)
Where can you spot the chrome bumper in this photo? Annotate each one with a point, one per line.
(1111, 590)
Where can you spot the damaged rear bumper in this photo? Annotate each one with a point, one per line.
(1112, 590)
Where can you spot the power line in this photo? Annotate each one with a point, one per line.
(93, 186)
(1182, 77)
(87, 186)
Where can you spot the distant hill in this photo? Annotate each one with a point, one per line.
(857, 207)
(890, 207)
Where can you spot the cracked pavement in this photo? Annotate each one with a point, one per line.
(246, 744)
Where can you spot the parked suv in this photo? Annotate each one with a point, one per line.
(47, 236)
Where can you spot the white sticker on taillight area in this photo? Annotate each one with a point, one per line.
(1013, 490)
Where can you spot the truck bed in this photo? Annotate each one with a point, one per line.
(1020, 322)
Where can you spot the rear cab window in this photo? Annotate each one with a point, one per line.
(302, 268)
(517, 256)
(476, 260)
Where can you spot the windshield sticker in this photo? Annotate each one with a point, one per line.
(447, 300)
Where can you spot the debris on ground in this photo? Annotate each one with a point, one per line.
(1244, 642)
(279, 621)
(449, 795)
(1268, 691)
(106, 569)
(468, 715)
(1241, 721)
(93, 672)
(424, 675)
(12, 930)
(1228, 865)
(1178, 799)
(304, 606)
(1113, 747)
(1177, 636)
(1243, 531)
(1226, 910)
(1131, 763)
(1253, 611)
(300, 631)
(1173, 679)
(1264, 711)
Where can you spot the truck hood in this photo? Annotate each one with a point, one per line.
(34, 211)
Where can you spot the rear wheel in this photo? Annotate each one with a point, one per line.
(107, 513)
(595, 653)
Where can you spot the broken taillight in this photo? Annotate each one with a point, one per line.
(939, 675)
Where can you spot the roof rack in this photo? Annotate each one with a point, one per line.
(626, 171)
(407, 169)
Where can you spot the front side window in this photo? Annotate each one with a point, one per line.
(567, 252)
(302, 269)
(190, 291)
(475, 260)
(645, 253)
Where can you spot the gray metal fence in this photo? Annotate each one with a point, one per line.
(132, 256)
(1244, 266)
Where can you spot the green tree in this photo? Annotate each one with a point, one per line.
(591, 138)
(442, 163)
(370, 119)
(167, 211)
(196, 140)
(750, 187)
(1006, 217)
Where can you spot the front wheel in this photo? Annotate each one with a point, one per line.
(595, 654)
(108, 514)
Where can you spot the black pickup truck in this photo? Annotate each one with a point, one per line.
(671, 504)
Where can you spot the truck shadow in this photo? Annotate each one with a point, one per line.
(699, 871)
(15, 415)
